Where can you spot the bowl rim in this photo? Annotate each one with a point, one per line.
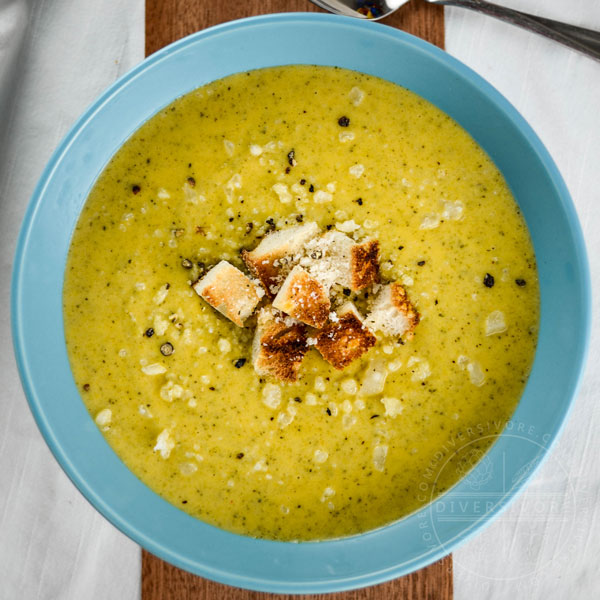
(232, 577)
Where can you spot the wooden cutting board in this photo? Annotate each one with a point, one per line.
(170, 20)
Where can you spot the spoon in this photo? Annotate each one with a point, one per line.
(578, 38)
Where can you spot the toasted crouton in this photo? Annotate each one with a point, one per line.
(336, 258)
(392, 312)
(229, 291)
(267, 261)
(364, 265)
(343, 341)
(304, 298)
(278, 347)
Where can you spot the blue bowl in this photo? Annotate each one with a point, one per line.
(76, 442)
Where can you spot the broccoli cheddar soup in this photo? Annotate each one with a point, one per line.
(293, 295)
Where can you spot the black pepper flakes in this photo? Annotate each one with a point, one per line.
(149, 332)
(292, 158)
(239, 455)
(346, 291)
(136, 189)
(299, 218)
(191, 181)
(186, 263)
(421, 263)
(302, 181)
(521, 282)
(373, 416)
(287, 170)
(239, 363)
(311, 188)
(343, 121)
(359, 201)
(328, 411)
(167, 349)
(86, 387)
(298, 399)
(249, 227)
(488, 280)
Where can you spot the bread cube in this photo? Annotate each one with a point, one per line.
(392, 313)
(229, 291)
(345, 340)
(268, 261)
(304, 298)
(279, 346)
(336, 258)
(364, 265)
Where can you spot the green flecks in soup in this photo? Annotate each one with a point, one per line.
(170, 381)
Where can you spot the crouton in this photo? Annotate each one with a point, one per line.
(364, 265)
(345, 340)
(267, 262)
(279, 346)
(304, 298)
(229, 291)
(336, 258)
(392, 312)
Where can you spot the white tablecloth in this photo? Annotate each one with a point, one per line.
(55, 57)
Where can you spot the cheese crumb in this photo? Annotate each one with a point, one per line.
(321, 197)
(154, 369)
(311, 399)
(356, 95)
(348, 421)
(356, 170)
(476, 375)
(328, 492)
(224, 345)
(171, 391)
(393, 407)
(271, 395)
(320, 456)
(319, 384)
(349, 386)
(346, 136)
(229, 147)
(495, 323)
(161, 295)
(347, 226)
(421, 370)
(374, 379)
(281, 189)
(255, 150)
(379, 456)
(188, 468)
(103, 418)
(164, 443)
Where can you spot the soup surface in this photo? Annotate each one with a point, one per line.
(316, 458)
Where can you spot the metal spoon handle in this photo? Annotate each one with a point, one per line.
(578, 38)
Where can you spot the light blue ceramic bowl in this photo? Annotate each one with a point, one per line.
(73, 437)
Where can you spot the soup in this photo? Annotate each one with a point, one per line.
(331, 450)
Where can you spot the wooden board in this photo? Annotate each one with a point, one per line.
(170, 20)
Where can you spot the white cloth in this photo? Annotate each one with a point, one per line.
(55, 57)
(547, 545)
